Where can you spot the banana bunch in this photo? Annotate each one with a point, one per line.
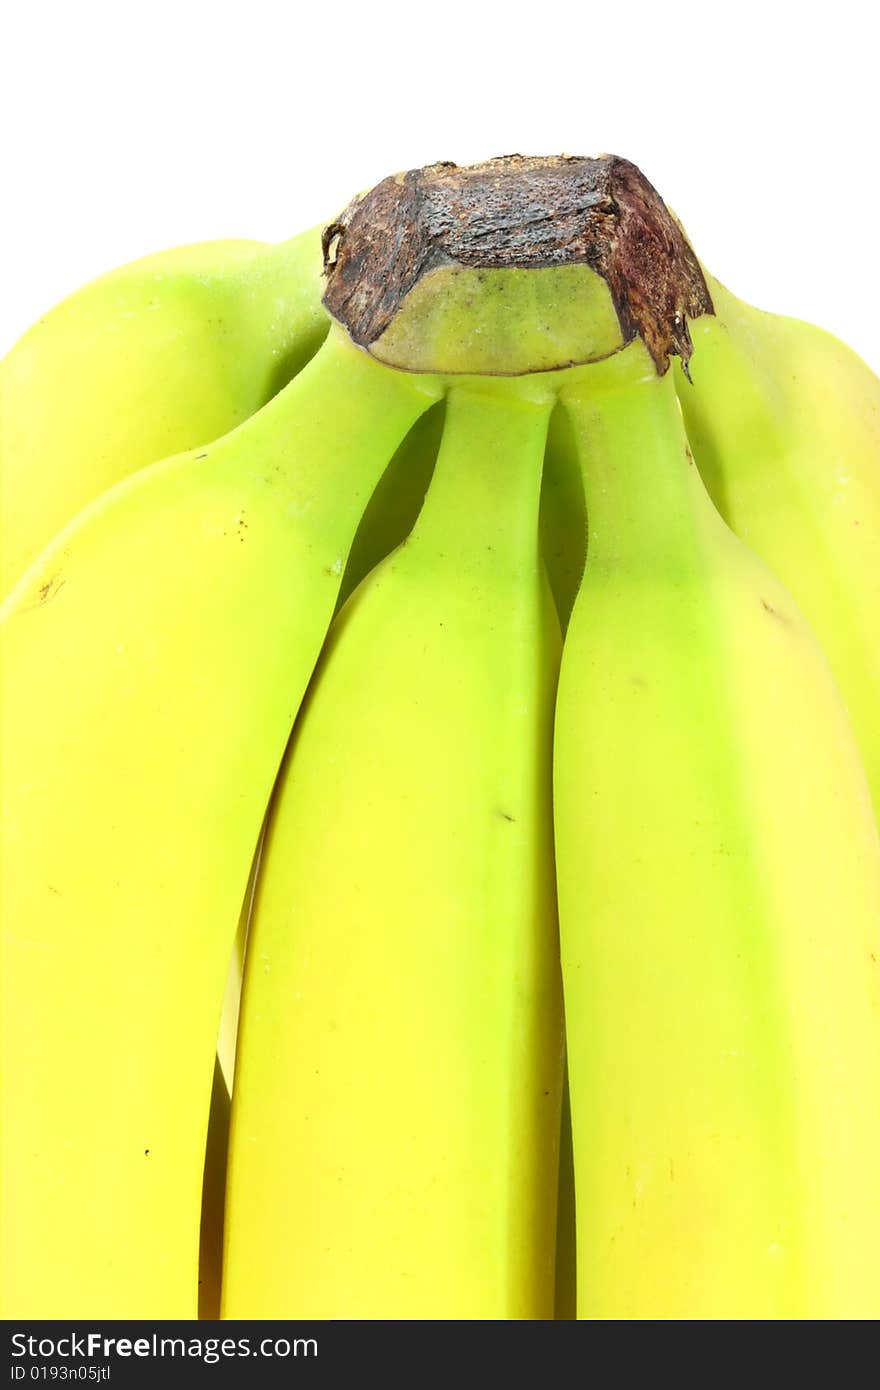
(467, 620)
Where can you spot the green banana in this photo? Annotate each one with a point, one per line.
(159, 356)
(784, 422)
(718, 873)
(155, 358)
(154, 659)
(395, 1122)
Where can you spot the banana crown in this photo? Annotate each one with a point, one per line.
(516, 265)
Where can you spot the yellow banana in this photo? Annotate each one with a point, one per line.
(158, 356)
(154, 658)
(396, 1104)
(387, 520)
(718, 874)
(706, 824)
(784, 422)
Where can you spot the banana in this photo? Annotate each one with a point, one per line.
(718, 875)
(395, 1124)
(784, 422)
(154, 659)
(157, 357)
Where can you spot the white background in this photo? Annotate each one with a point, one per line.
(127, 128)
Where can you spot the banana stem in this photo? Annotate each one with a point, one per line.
(481, 509)
(643, 492)
(304, 442)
